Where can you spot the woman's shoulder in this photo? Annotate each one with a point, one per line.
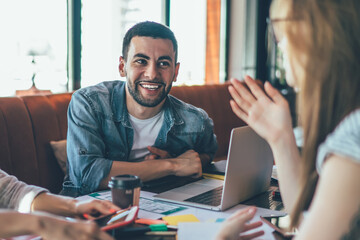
(344, 140)
(351, 123)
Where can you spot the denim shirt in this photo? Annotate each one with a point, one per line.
(99, 132)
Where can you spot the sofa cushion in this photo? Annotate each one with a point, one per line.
(17, 148)
(59, 149)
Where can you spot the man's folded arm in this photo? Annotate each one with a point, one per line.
(146, 170)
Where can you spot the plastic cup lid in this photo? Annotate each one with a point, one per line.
(125, 181)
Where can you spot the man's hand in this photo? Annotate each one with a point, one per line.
(187, 164)
(156, 153)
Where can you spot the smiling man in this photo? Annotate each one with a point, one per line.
(135, 127)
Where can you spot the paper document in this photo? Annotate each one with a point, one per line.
(206, 230)
(148, 207)
(158, 207)
(196, 231)
(175, 220)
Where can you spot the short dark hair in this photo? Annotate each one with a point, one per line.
(148, 29)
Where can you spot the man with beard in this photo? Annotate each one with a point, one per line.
(135, 127)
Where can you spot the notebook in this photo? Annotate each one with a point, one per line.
(248, 173)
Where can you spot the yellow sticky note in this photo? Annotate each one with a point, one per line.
(213, 176)
(174, 220)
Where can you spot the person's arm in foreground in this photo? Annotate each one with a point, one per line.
(237, 224)
(51, 227)
(71, 207)
(335, 208)
(47, 226)
(267, 112)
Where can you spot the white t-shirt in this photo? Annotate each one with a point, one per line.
(145, 134)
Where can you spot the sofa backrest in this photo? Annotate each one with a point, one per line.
(29, 123)
(214, 99)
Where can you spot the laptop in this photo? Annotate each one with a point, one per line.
(247, 174)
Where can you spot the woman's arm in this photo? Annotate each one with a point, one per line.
(14, 223)
(66, 206)
(336, 203)
(267, 112)
(48, 227)
(287, 159)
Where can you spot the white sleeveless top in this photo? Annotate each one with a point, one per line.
(344, 140)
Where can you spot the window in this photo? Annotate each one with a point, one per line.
(33, 45)
(35, 42)
(104, 24)
(188, 22)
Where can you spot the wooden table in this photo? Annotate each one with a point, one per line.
(264, 200)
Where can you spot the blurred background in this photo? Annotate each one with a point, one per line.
(62, 45)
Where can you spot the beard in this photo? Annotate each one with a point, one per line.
(135, 93)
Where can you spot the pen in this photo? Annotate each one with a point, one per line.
(167, 233)
(92, 216)
(146, 221)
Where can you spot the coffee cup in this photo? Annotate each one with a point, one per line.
(125, 190)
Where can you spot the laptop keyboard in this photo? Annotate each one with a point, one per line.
(212, 197)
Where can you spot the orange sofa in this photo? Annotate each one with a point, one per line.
(29, 123)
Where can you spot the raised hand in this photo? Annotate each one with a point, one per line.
(266, 111)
